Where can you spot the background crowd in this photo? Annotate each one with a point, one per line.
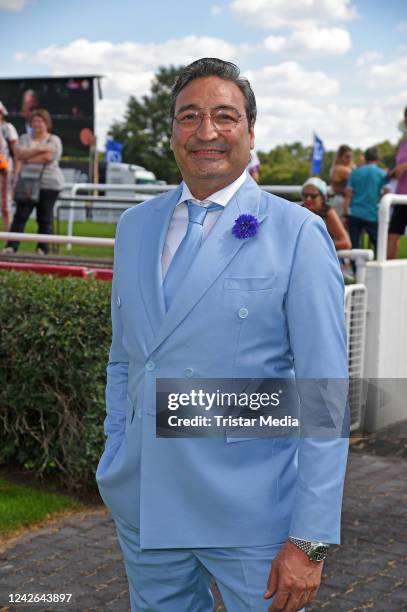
(349, 205)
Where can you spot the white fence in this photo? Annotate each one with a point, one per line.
(55, 239)
(138, 193)
(384, 219)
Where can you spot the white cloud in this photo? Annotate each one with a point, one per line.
(402, 26)
(216, 9)
(329, 41)
(292, 100)
(290, 119)
(390, 75)
(124, 84)
(108, 110)
(275, 43)
(83, 55)
(290, 78)
(12, 5)
(129, 67)
(368, 58)
(397, 101)
(274, 14)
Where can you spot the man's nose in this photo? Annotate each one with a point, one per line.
(207, 130)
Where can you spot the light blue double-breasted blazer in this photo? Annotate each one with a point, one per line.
(270, 306)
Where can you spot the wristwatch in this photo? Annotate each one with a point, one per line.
(315, 551)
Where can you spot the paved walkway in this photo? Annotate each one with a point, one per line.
(80, 555)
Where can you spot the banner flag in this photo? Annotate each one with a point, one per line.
(317, 155)
(114, 151)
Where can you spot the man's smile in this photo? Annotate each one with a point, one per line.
(207, 153)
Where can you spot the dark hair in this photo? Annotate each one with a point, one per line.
(343, 149)
(371, 154)
(45, 116)
(212, 66)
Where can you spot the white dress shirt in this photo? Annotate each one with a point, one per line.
(179, 221)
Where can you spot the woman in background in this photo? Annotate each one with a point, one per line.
(340, 172)
(39, 154)
(314, 197)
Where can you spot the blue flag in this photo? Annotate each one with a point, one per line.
(317, 155)
(113, 151)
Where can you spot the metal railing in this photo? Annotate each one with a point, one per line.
(107, 203)
(155, 189)
(355, 321)
(384, 219)
(151, 190)
(55, 239)
(102, 208)
(141, 193)
(360, 257)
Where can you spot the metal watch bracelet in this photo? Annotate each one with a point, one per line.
(315, 551)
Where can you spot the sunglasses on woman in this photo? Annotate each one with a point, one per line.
(313, 196)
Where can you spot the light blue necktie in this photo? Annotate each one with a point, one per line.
(187, 250)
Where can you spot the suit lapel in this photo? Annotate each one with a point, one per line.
(150, 267)
(215, 254)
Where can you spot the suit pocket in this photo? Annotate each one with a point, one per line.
(237, 438)
(258, 283)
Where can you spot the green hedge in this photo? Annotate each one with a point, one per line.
(54, 341)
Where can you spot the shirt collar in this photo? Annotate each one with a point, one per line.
(222, 197)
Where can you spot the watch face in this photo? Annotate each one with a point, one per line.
(319, 552)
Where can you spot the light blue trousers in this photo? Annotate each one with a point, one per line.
(178, 580)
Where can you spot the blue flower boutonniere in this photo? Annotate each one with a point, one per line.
(245, 226)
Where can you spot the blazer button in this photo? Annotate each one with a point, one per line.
(150, 366)
(118, 302)
(243, 312)
(188, 372)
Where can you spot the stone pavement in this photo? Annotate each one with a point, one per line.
(80, 555)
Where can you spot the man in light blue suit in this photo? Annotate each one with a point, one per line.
(193, 300)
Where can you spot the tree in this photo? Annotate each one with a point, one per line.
(387, 154)
(145, 130)
(287, 164)
(290, 164)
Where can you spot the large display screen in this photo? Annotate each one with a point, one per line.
(69, 100)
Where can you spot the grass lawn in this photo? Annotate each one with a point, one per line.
(22, 506)
(403, 247)
(81, 228)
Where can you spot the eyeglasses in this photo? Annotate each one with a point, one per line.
(223, 119)
(313, 196)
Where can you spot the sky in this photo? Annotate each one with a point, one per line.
(336, 67)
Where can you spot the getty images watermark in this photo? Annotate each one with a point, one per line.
(219, 400)
(250, 408)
